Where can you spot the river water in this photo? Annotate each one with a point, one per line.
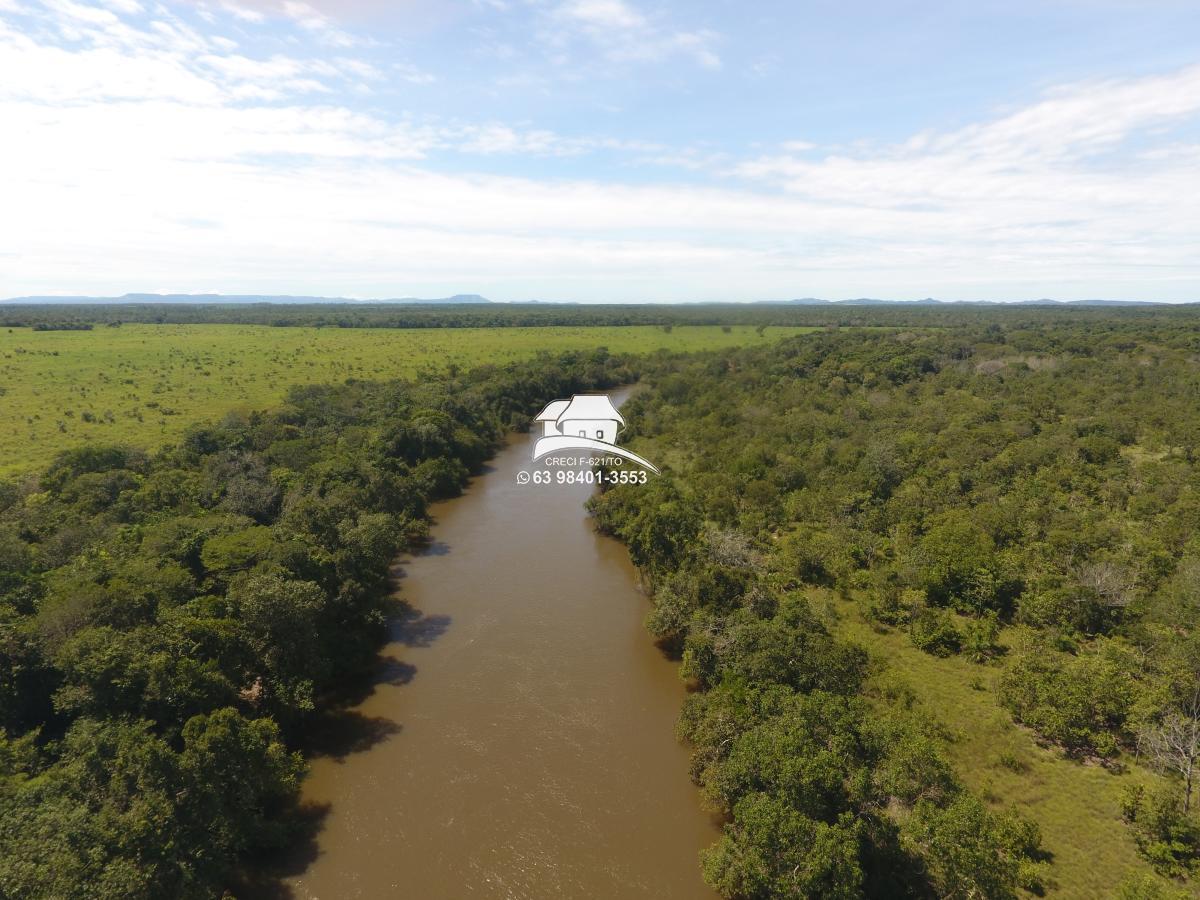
(519, 740)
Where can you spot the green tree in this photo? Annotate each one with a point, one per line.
(967, 852)
(773, 851)
(279, 619)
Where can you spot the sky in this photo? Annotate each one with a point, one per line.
(602, 150)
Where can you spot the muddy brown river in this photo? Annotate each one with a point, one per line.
(519, 741)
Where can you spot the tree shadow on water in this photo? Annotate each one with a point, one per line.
(337, 730)
(340, 733)
(413, 628)
(398, 569)
(266, 874)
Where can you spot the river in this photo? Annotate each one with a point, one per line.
(518, 742)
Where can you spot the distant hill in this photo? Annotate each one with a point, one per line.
(457, 299)
(930, 301)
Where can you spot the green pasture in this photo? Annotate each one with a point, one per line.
(145, 384)
(1077, 805)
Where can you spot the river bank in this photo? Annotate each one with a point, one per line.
(518, 741)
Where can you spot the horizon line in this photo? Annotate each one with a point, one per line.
(240, 299)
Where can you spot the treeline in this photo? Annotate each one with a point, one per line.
(1043, 482)
(63, 326)
(496, 315)
(168, 622)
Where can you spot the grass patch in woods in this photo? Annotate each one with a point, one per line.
(1003, 763)
(145, 384)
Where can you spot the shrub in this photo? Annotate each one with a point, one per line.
(1080, 702)
(933, 631)
(979, 640)
(1166, 836)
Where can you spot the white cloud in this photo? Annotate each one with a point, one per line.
(605, 14)
(493, 139)
(624, 34)
(130, 135)
(242, 12)
(53, 76)
(413, 75)
(313, 21)
(129, 7)
(1048, 153)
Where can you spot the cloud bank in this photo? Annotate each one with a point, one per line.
(169, 148)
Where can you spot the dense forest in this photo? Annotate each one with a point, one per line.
(1025, 497)
(1019, 490)
(502, 315)
(168, 623)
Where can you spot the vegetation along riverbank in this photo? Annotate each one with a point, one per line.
(167, 620)
(934, 589)
(937, 595)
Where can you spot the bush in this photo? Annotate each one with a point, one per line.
(1167, 837)
(890, 605)
(1080, 702)
(933, 631)
(979, 641)
(1147, 887)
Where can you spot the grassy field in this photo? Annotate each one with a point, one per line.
(1006, 766)
(145, 384)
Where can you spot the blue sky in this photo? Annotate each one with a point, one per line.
(602, 150)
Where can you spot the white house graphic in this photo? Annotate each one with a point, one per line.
(584, 415)
(585, 422)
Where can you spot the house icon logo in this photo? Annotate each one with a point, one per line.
(585, 422)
